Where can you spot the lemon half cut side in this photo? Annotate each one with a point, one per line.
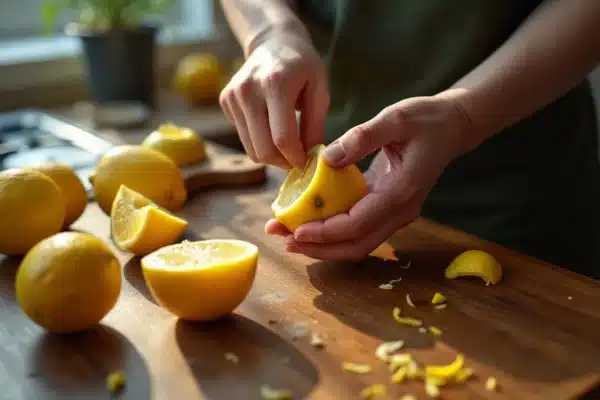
(140, 226)
(201, 280)
(318, 192)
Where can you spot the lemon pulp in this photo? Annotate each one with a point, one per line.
(201, 280)
(140, 226)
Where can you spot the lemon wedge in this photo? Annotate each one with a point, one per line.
(202, 280)
(476, 263)
(317, 193)
(140, 226)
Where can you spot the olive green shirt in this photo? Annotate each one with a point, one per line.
(533, 187)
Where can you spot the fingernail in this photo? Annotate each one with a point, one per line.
(334, 153)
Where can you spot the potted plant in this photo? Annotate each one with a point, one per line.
(118, 43)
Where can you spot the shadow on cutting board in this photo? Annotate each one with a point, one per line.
(76, 366)
(508, 326)
(264, 358)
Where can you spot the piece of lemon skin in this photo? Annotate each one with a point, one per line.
(330, 192)
(475, 263)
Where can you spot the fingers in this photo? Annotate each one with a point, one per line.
(314, 106)
(236, 116)
(364, 139)
(355, 249)
(280, 99)
(274, 227)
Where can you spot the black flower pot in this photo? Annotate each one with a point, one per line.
(120, 64)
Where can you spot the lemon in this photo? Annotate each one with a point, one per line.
(68, 282)
(32, 208)
(144, 170)
(73, 191)
(139, 226)
(201, 280)
(199, 77)
(182, 145)
(476, 263)
(317, 193)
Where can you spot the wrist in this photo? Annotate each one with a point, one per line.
(291, 30)
(471, 133)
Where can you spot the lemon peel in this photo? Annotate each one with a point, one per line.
(356, 368)
(232, 357)
(490, 384)
(115, 381)
(463, 375)
(396, 312)
(432, 390)
(399, 376)
(438, 298)
(441, 306)
(373, 391)
(435, 331)
(445, 371)
(398, 361)
(384, 350)
(268, 393)
(475, 263)
(317, 341)
(409, 301)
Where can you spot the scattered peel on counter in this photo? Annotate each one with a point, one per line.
(268, 393)
(491, 384)
(408, 397)
(441, 306)
(232, 357)
(373, 391)
(432, 390)
(399, 375)
(463, 375)
(435, 330)
(396, 312)
(446, 371)
(398, 361)
(115, 381)
(422, 330)
(438, 299)
(356, 368)
(409, 301)
(317, 341)
(385, 350)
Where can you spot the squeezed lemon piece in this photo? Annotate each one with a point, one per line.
(438, 298)
(373, 391)
(356, 368)
(475, 263)
(268, 393)
(115, 381)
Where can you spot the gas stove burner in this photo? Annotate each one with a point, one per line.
(71, 156)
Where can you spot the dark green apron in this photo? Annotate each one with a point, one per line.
(535, 186)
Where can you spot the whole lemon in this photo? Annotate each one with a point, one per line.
(199, 77)
(182, 145)
(32, 208)
(144, 170)
(73, 191)
(68, 282)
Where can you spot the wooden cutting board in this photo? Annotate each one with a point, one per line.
(221, 168)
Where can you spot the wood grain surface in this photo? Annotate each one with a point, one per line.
(537, 332)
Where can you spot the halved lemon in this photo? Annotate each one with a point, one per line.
(201, 280)
(317, 193)
(140, 226)
(475, 263)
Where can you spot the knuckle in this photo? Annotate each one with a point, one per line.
(362, 137)
(243, 89)
(274, 80)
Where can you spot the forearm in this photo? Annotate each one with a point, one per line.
(554, 50)
(250, 20)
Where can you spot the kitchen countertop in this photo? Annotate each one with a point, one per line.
(537, 331)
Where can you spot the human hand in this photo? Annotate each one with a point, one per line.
(282, 74)
(419, 137)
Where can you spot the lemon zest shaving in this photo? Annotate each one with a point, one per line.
(356, 368)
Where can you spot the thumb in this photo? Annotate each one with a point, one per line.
(360, 141)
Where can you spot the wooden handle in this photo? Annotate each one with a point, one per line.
(226, 170)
